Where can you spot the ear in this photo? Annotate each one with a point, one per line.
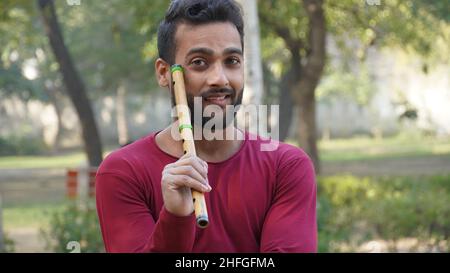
(162, 69)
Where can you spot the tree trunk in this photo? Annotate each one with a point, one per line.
(74, 85)
(309, 79)
(122, 128)
(308, 69)
(57, 103)
(253, 64)
(286, 107)
(288, 87)
(307, 127)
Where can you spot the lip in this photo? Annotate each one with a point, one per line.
(221, 100)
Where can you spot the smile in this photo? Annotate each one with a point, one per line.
(218, 100)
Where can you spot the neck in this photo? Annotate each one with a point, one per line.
(212, 147)
(220, 144)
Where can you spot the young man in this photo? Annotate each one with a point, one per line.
(257, 201)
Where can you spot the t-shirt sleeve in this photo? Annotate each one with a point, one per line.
(126, 221)
(290, 224)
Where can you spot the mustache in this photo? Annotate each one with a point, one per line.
(222, 91)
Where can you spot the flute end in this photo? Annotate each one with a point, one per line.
(176, 67)
(202, 221)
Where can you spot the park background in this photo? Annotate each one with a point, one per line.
(363, 87)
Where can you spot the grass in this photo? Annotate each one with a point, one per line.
(24, 162)
(29, 162)
(365, 148)
(31, 215)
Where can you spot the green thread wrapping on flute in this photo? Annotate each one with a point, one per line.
(176, 67)
(183, 126)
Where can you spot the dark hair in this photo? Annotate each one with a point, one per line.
(195, 12)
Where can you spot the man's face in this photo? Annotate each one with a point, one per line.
(211, 55)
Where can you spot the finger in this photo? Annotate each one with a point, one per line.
(189, 171)
(182, 180)
(205, 164)
(191, 157)
(167, 167)
(195, 162)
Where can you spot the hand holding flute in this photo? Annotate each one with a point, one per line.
(178, 178)
(189, 172)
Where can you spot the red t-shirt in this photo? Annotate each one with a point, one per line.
(261, 201)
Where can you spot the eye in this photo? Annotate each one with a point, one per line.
(233, 61)
(198, 62)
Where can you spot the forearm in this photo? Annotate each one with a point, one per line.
(172, 233)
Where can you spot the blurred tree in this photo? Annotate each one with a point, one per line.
(302, 27)
(26, 49)
(355, 86)
(111, 50)
(114, 45)
(27, 40)
(253, 66)
(73, 82)
(15, 22)
(303, 30)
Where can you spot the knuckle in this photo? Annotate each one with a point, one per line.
(191, 171)
(165, 179)
(185, 179)
(192, 160)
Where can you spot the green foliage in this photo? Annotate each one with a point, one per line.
(114, 42)
(353, 210)
(75, 223)
(8, 244)
(416, 26)
(412, 24)
(107, 40)
(345, 84)
(21, 145)
(12, 80)
(288, 13)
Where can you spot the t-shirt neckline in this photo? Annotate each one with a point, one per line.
(237, 153)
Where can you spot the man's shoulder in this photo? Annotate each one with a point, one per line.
(126, 156)
(282, 151)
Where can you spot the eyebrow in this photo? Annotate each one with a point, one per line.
(210, 52)
(232, 50)
(201, 50)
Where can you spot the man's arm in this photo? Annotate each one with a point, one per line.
(290, 224)
(123, 205)
(127, 224)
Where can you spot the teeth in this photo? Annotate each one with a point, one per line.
(216, 98)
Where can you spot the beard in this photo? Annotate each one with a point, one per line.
(228, 114)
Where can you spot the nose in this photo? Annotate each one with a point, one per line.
(218, 77)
